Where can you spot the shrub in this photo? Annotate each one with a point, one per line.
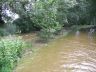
(8, 29)
(10, 51)
(48, 33)
(44, 16)
(24, 25)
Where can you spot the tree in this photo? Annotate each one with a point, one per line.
(63, 10)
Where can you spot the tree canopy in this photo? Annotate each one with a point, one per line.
(48, 16)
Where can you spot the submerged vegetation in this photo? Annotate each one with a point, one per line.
(48, 17)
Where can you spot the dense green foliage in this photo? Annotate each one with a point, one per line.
(10, 50)
(50, 16)
(44, 16)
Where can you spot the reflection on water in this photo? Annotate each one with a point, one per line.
(77, 33)
(91, 32)
(66, 54)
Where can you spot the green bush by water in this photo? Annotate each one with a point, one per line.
(3, 32)
(10, 51)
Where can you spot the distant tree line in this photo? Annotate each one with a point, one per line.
(50, 16)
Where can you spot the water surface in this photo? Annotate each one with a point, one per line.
(74, 53)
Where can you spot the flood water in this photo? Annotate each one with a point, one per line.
(73, 53)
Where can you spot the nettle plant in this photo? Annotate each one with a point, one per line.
(11, 49)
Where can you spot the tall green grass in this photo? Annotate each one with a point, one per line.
(11, 49)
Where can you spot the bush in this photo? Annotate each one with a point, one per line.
(44, 17)
(4, 32)
(10, 51)
(49, 33)
(8, 29)
(24, 25)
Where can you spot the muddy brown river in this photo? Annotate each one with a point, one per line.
(73, 53)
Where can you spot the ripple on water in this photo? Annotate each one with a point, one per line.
(78, 60)
(80, 66)
(73, 54)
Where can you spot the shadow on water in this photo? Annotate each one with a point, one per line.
(74, 53)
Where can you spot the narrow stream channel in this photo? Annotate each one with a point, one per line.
(74, 53)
